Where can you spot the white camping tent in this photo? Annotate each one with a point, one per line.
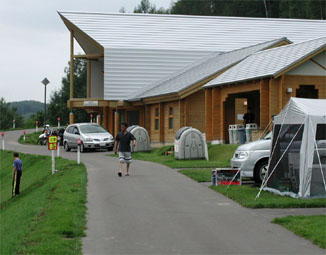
(297, 165)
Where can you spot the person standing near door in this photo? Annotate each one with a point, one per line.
(249, 117)
(122, 144)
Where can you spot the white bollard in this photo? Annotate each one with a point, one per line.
(53, 161)
(3, 140)
(58, 149)
(78, 154)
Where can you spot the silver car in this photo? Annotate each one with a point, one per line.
(253, 157)
(91, 135)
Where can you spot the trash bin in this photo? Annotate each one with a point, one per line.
(249, 128)
(239, 135)
(189, 144)
(231, 134)
(142, 138)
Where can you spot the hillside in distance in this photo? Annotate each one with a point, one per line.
(27, 107)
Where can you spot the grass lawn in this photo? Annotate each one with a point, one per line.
(48, 217)
(219, 156)
(310, 227)
(245, 195)
(31, 138)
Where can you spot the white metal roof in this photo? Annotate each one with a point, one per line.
(141, 49)
(268, 63)
(201, 70)
(209, 33)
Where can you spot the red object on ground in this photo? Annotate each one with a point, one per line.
(228, 183)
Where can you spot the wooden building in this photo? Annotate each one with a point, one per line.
(167, 77)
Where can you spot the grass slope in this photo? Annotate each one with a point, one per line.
(219, 156)
(310, 227)
(31, 138)
(49, 215)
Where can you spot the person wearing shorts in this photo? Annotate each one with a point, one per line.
(122, 145)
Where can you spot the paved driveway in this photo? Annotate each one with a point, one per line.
(156, 210)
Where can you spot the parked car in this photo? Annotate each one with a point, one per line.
(92, 136)
(253, 158)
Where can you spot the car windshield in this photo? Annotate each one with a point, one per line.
(92, 129)
(268, 136)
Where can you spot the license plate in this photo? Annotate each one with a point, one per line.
(102, 144)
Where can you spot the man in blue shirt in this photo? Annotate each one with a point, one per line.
(17, 174)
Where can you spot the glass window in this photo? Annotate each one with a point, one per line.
(92, 129)
(156, 112)
(170, 123)
(171, 111)
(157, 124)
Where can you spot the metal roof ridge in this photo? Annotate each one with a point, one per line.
(288, 45)
(192, 16)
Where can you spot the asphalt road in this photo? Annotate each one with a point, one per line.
(156, 210)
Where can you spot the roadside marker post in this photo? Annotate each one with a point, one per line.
(36, 126)
(52, 146)
(14, 124)
(24, 135)
(3, 140)
(79, 142)
(91, 118)
(58, 146)
(58, 123)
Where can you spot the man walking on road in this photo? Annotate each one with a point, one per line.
(122, 144)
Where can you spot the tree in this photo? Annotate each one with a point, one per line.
(146, 7)
(8, 114)
(58, 100)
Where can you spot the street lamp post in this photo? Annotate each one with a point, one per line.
(45, 82)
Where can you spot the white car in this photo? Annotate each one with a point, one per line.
(91, 135)
(253, 157)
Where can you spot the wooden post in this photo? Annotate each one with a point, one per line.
(216, 115)
(71, 118)
(116, 123)
(89, 84)
(208, 114)
(161, 120)
(71, 64)
(105, 117)
(110, 121)
(264, 104)
(281, 93)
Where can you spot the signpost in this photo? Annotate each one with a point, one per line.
(58, 123)
(13, 124)
(36, 126)
(79, 142)
(91, 118)
(3, 140)
(52, 146)
(24, 135)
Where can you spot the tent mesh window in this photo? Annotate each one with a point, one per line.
(317, 184)
(286, 167)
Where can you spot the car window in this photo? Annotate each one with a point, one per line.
(268, 136)
(69, 129)
(92, 129)
(75, 130)
(321, 132)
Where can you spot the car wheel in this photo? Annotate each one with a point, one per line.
(261, 170)
(66, 146)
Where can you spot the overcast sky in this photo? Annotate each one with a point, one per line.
(35, 43)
